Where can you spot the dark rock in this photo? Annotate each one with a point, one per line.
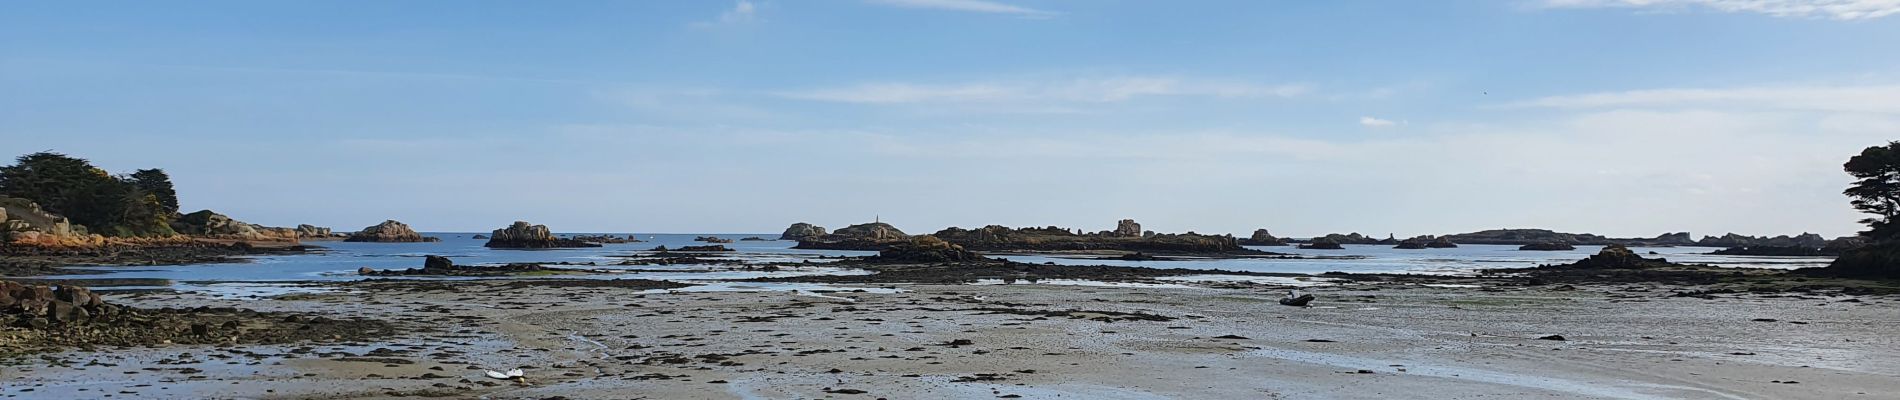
(522, 235)
(712, 239)
(1322, 244)
(1261, 237)
(1547, 246)
(871, 236)
(1552, 337)
(437, 262)
(1297, 301)
(1616, 256)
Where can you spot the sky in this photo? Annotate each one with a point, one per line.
(1616, 117)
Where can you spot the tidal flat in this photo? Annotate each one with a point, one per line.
(1361, 340)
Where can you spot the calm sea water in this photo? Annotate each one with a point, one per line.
(341, 260)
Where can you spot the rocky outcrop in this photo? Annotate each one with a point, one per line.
(1426, 242)
(23, 223)
(1128, 228)
(1000, 238)
(1616, 256)
(1808, 240)
(1355, 238)
(308, 231)
(604, 239)
(712, 239)
(389, 232)
(1878, 260)
(926, 249)
(802, 231)
(1322, 244)
(205, 223)
(871, 236)
(1534, 236)
(1547, 246)
(1261, 237)
(523, 235)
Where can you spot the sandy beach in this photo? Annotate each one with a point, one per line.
(1367, 341)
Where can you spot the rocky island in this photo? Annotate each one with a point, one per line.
(523, 235)
(390, 231)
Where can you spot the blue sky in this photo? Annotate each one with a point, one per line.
(1621, 117)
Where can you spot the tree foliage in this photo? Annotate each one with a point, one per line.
(139, 204)
(1876, 189)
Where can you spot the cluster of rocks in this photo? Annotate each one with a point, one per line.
(606, 239)
(1426, 242)
(712, 239)
(926, 249)
(1617, 256)
(389, 231)
(1539, 236)
(443, 266)
(523, 235)
(212, 225)
(1355, 238)
(802, 231)
(40, 306)
(48, 319)
(1261, 237)
(1001, 238)
(868, 236)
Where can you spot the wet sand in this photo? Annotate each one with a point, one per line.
(1370, 341)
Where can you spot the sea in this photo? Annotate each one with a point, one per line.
(339, 261)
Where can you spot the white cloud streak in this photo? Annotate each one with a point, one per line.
(1371, 122)
(1845, 10)
(977, 6)
(1107, 90)
(1884, 99)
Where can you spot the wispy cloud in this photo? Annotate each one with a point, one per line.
(1095, 90)
(978, 6)
(1833, 9)
(742, 12)
(1866, 99)
(1372, 122)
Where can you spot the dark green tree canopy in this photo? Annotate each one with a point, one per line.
(1876, 189)
(140, 204)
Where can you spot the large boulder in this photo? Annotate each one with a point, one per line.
(389, 231)
(802, 231)
(523, 235)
